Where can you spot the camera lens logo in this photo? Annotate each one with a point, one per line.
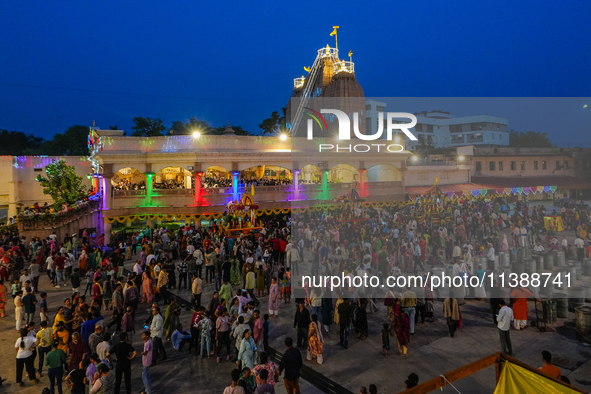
(317, 117)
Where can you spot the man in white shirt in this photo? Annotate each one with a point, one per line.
(504, 319)
(564, 243)
(190, 249)
(50, 270)
(490, 257)
(137, 268)
(156, 332)
(580, 244)
(538, 248)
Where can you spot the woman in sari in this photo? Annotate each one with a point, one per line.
(82, 261)
(504, 244)
(147, 292)
(171, 317)
(315, 341)
(2, 299)
(59, 317)
(361, 317)
(326, 318)
(273, 298)
(401, 328)
(235, 273)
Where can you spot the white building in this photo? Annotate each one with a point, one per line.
(441, 130)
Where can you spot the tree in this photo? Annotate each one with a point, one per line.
(17, 143)
(178, 128)
(62, 183)
(147, 127)
(531, 139)
(73, 142)
(199, 125)
(275, 123)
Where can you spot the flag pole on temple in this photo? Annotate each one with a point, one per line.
(334, 33)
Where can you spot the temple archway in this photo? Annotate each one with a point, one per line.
(172, 178)
(216, 176)
(310, 174)
(266, 175)
(384, 173)
(343, 173)
(128, 178)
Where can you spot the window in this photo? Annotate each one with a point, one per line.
(491, 165)
(419, 128)
(522, 166)
(429, 128)
(500, 166)
(478, 166)
(455, 128)
(557, 164)
(535, 164)
(457, 139)
(566, 165)
(543, 164)
(493, 136)
(513, 166)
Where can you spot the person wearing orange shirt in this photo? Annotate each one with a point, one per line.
(548, 368)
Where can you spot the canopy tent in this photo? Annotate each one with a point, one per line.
(512, 375)
(516, 379)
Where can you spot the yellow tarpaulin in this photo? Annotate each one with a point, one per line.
(515, 379)
(553, 222)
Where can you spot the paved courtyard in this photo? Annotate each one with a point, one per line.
(431, 352)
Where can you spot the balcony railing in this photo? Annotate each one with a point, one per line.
(298, 83)
(344, 66)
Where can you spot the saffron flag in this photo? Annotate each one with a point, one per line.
(333, 32)
(252, 189)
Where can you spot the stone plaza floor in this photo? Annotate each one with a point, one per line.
(431, 351)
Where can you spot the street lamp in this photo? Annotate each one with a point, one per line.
(283, 137)
(415, 159)
(196, 134)
(461, 158)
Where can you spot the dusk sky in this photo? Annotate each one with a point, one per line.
(66, 63)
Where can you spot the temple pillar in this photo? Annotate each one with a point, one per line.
(296, 185)
(362, 180)
(325, 194)
(235, 185)
(198, 198)
(149, 189)
(107, 191)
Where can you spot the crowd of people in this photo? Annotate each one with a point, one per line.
(251, 280)
(126, 184)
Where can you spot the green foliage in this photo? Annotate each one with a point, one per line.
(531, 139)
(147, 127)
(73, 142)
(198, 125)
(62, 183)
(275, 123)
(17, 143)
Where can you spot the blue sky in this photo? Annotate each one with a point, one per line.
(66, 63)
